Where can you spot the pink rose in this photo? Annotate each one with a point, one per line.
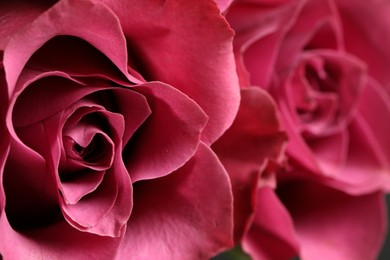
(112, 107)
(333, 100)
(328, 102)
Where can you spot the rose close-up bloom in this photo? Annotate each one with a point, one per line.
(324, 62)
(108, 111)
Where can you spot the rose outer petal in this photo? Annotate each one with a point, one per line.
(254, 137)
(362, 40)
(272, 234)
(368, 162)
(16, 14)
(4, 141)
(333, 225)
(185, 214)
(169, 137)
(58, 241)
(193, 53)
(100, 28)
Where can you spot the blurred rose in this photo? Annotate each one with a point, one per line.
(330, 86)
(112, 109)
(334, 111)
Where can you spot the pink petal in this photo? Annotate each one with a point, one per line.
(105, 211)
(372, 45)
(57, 241)
(254, 137)
(186, 214)
(100, 28)
(168, 48)
(313, 19)
(16, 14)
(223, 4)
(77, 58)
(4, 141)
(32, 201)
(368, 165)
(333, 225)
(258, 38)
(272, 234)
(169, 137)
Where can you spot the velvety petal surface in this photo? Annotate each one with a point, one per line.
(185, 214)
(16, 14)
(169, 137)
(64, 19)
(368, 162)
(4, 141)
(361, 39)
(58, 241)
(333, 225)
(191, 52)
(244, 149)
(272, 234)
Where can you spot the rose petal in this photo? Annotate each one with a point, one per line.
(368, 164)
(223, 4)
(16, 14)
(254, 137)
(190, 217)
(105, 211)
(58, 241)
(314, 17)
(372, 45)
(33, 201)
(169, 137)
(331, 152)
(272, 234)
(62, 91)
(76, 58)
(358, 232)
(158, 34)
(64, 19)
(258, 39)
(4, 141)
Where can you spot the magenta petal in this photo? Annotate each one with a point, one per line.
(272, 234)
(64, 18)
(38, 87)
(33, 201)
(4, 141)
(169, 137)
(187, 214)
(105, 211)
(134, 114)
(73, 191)
(254, 138)
(372, 45)
(223, 4)
(170, 51)
(333, 225)
(331, 152)
(58, 241)
(16, 14)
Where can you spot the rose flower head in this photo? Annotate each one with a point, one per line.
(326, 69)
(108, 111)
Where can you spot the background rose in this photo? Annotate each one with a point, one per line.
(335, 108)
(296, 50)
(112, 110)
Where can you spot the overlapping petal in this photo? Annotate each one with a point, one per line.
(331, 224)
(184, 214)
(254, 138)
(167, 50)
